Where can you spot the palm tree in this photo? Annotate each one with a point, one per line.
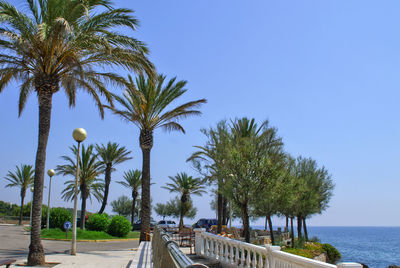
(186, 186)
(144, 103)
(22, 178)
(89, 182)
(60, 44)
(110, 155)
(133, 181)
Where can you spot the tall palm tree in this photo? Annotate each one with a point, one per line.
(110, 155)
(186, 186)
(23, 179)
(89, 182)
(133, 181)
(144, 104)
(59, 44)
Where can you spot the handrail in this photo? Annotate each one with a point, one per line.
(178, 257)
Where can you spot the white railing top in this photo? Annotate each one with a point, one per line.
(273, 252)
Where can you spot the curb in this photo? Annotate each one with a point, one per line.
(99, 240)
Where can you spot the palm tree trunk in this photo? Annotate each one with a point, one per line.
(305, 229)
(36, 252)
(107, 180)
(22, 206)
(291, 232)
(271, 230)
(133, 208)
(219, 209)
(182, 212)
(83, 211)
(246, 224)
(299, 226)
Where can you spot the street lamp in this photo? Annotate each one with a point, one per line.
(51, 173)
(30, 216)
(79, 135)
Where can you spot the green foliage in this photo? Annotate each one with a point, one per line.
(332, 253)
(119, 226)
(97, 222)
(58, 216)
(7, 208)
(122, 206)
(82, 234)
(300, 252)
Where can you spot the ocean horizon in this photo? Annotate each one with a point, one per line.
(375, 246)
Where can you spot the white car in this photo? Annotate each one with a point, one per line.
(168, 225)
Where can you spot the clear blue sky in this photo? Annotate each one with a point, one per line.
(325, 73)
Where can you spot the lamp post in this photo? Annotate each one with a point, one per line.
(79, 135)
(30, 216)
(51, 173)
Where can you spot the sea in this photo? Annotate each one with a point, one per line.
(377, 247)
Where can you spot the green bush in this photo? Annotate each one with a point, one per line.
(58, 216)
(97, 222)
(333, 255)
(119, 226)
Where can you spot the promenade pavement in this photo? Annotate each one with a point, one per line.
(14, 243)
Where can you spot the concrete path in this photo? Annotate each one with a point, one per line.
(14, 243)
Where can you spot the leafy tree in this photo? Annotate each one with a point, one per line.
(185, 186)
(110, 155)
(133, 181)
(162, 210)
(90, 185)
(173, 208)
(23, 179)
(244, 158)
(144, 104)
(58, 45)
(122, 206)
(209, 161)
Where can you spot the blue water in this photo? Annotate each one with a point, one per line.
(373, 246)
(377, 247)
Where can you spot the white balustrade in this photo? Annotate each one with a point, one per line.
(234, 253)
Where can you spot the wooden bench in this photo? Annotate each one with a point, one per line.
(7, 262)
(142, 258)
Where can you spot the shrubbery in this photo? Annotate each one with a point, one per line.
(98, 222)
(119, 226)
(333, 255)
(58, 216)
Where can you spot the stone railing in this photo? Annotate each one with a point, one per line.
(166, 252)
(234, 253)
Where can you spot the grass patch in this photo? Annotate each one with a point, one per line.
(83, 234)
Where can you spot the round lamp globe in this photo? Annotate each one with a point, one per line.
(51, 172)
(79, 134)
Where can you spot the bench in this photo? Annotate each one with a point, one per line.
(7, 262)
(142, 258)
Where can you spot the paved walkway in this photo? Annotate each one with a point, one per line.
(14, 243)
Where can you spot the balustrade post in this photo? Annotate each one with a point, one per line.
(199, 241)
(270, 257)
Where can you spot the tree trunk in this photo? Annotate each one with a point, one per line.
(133, 207)
(107, 180)
(291, 231)
(305, 229)
(271, 230)
(266, 223)
(299, 227)
(146, 143)
(182, 212)
(246, 225)
(83, 211)
(23, 191)
(287, 223)
(219, 209)
(224, 211)
(36, 252)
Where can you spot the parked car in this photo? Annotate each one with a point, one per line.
(168, 225)
(205, 223)
(137, 224)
